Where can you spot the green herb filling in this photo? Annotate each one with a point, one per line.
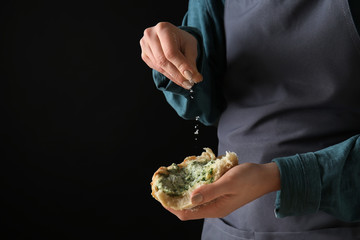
(179, 180)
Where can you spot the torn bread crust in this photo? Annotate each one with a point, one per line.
(172, 186)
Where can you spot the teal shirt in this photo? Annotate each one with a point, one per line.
(326, 180)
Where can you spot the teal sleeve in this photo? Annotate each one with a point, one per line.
(204, 20)
(326, 180)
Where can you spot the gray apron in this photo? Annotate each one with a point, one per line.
(292, 86)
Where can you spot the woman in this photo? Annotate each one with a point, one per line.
(281, 81)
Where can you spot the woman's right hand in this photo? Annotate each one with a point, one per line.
(172, 52)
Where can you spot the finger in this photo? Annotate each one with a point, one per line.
(149, 62)
(191, 55)
(163, 63)
(171, 47)
(148, 57)
(146, 54)
(216, 209)
(149, 44)
(209, 192)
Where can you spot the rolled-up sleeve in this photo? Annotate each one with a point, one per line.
(326, 180)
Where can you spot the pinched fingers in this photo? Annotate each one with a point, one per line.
(179, 48)
(149, 58)
(155, 57)
(163, 49)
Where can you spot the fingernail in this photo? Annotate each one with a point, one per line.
(188, 75)
(197, 199)
(187, 85)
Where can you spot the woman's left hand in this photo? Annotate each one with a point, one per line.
(237, 187)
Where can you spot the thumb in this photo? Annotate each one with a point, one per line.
(207, 193)
(192, 73)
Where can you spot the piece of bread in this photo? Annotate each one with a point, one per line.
(172, 186)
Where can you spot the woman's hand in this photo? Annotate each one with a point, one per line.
(172, 52)
(237, 187)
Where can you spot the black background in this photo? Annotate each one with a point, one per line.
(84, 127)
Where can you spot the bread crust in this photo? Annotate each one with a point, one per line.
(223, 164)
